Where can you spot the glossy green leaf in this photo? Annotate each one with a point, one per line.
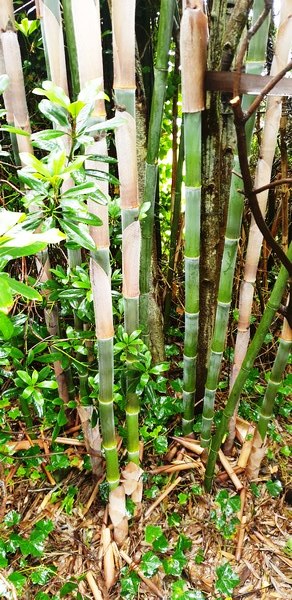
(80, 235)
(24, 290)
(6, 297)
(54, 93)
(6, 326)
(56, 114)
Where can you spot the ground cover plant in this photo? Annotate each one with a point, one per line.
(145, 306)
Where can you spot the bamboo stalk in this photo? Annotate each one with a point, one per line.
(83, 22)
(125, 136)
(131, 255)
(253, 350)
(193, 45)
(104, 331)
(156, 113)
(255, 63)
(258, 446)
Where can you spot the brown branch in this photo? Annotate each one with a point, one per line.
(243, 48)
(248, 185)
(273, 184)
(253, 107)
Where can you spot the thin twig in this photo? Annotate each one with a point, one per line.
(254, 105)
(229, 469)
(273, 184)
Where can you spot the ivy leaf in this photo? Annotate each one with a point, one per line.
(175, 564)
(161, 444)
(184, 543)
(150, 563)
(18, 580)
(274, 488)
(12, 518)
(160, 544)
(129, 584)
(179, 591)
(174, 519)
(67, 588)
(3, 559)
(227, 580)
(41, 575)
(152, 532)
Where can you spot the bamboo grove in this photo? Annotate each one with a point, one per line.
(105, 106)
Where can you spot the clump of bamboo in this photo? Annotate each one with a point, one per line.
(258, 445)
(254, 64)
(193, 45)
(253, 350)
(262, 177)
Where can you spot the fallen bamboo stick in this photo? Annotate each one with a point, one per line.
(229, 469)
(161, 497)
(93, 495)
(181, 466)
(93, 586)
(192, 445)
(148, 582)
(223, 476)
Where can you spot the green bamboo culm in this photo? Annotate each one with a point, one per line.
(131, 293)
(283, 353)
(102, 302)
(71, 45)
(193, 47)
(151, 173)
(258, 449)
(254, 65)
(125, 136)
(252, 352)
